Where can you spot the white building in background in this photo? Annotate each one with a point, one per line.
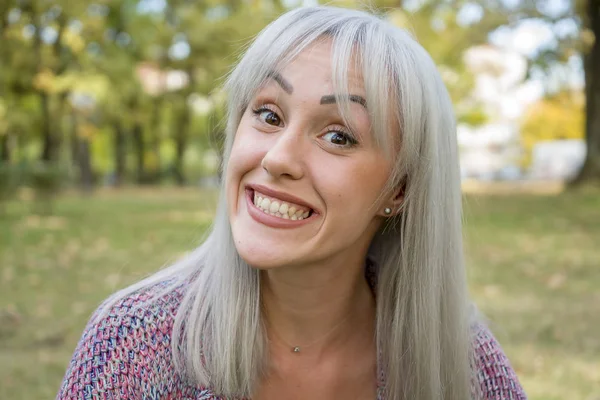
(489, 152)
(559, 159)
(492, 151)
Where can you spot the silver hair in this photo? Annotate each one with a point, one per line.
(423, 331)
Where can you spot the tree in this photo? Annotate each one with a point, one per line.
(584, 42)
(52, 58)
(211, 45)
(438, 27)
(590, 172)
(126, 39)
(16, 78)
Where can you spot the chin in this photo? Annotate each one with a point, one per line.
(261, 250)
(261, 259)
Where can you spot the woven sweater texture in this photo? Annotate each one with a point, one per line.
(127, 355)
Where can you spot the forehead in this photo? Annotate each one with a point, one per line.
(313, 68)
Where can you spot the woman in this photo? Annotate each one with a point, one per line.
(334, 269)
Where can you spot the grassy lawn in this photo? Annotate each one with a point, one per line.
(534, 270)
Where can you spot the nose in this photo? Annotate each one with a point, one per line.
(284, 157)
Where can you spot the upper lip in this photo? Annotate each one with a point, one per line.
(281, 195)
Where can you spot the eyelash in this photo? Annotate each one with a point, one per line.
(348, 135)
(261, 109)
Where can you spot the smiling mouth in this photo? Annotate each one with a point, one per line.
(279, 208)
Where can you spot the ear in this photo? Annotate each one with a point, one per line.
(395, 203)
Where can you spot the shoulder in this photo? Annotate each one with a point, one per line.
(125, 349)
(495, 377)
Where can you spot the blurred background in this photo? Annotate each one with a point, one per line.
(111, 125)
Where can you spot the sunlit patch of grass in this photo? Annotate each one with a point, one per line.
(55, 270)
(533, 262)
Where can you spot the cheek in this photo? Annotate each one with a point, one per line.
(241, 161)
(355, 187)
(246, 154)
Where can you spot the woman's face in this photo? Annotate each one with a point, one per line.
(301, 186)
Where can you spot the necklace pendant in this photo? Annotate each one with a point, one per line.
(296, 349)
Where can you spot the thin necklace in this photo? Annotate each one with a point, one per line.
(296, 349)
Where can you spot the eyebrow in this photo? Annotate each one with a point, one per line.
(330, 99)
(285, 85)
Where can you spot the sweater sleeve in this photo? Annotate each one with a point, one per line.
(125, 352)
(495, 377)
(101, 366)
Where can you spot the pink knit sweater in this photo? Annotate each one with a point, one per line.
(127, 355)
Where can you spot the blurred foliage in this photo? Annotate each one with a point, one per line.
(559, 116)
(76, 80)
(129, 91)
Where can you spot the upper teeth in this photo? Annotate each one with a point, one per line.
(280, 208)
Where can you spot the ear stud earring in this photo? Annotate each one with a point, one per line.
(387, 211)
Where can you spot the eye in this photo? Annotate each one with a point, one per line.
(340, 139)
(267, 116)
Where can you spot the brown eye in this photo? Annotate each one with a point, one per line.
(267, 116)
(340, 139)
(272, 118)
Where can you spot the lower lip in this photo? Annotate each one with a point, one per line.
(270, 220)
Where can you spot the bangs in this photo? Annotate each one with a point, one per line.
(360, 47)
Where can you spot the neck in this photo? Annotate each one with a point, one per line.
(317, 305)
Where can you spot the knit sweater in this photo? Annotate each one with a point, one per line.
(127, 355)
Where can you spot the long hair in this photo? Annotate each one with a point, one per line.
(422, 305)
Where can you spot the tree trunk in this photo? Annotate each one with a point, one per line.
(46, 128)
(181, 136)
(57, 125)
(48, 148)
(137, 135)
(85, 166)
(120, 152)
(138, 140)
(5, 153)
(155, 127)
(73, 139)
(80, 145)
(590, 172)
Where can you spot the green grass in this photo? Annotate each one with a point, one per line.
(534, 266)
(534, 270)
